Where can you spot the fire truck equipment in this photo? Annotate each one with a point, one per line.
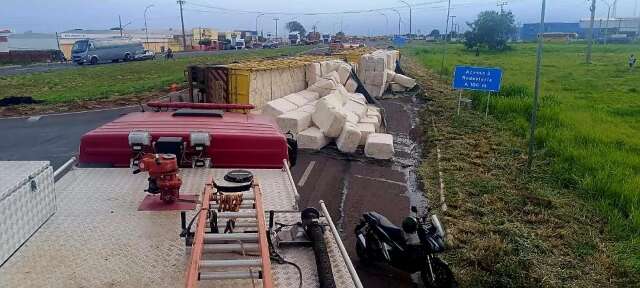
(163, 175)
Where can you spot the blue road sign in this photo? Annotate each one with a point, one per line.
(399, 41)
(477, 78)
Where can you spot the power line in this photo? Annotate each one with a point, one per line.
(313, 13)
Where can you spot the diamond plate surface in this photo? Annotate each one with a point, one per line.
(97, 238)
(23, 207)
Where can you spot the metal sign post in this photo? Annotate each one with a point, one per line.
(477, 79)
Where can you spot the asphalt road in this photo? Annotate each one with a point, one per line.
(54, 138)
(46, 67)
(349, 184)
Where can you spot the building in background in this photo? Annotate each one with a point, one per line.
(620, 29)
(30, 41)
(4, 40)
(200, 34)
(529, 32)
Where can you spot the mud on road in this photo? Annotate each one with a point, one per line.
(352, 184)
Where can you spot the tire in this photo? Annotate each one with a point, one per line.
(361, 251)
(80, 63)
(442, 272)
(94, 60)
(127, 57)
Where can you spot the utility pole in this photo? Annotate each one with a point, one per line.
(410, 14)
(446, 32)
(276, 19)
(502, 4)
(536, 95)
(146, 30)
(453, 26)
(590, 36)
(184, 35)
(120, 25)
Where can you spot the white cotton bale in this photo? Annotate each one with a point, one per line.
(375, 91)
(400, 79)
(323, 87)
(358, 98)
(297, 98)
(334, 98)
(358, 108)
(309, 95)
(371, 120)
(380, 64)
(333, 75)
(344, 70)
(374, 113)
(329, 117)
(312, 138)
(278, 107)
(351, 86)
(295, 121)
(349, 138)
(365, 129)
(373, 107)
(312, 73)
(379, 146)
(396, 88)
(352, 117)
(376, 78)
(309, 108)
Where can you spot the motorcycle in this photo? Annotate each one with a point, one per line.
(411, 249)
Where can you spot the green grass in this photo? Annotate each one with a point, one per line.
(106, 81)
(589, 122)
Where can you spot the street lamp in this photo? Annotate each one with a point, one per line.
(386, 18)
(146, 30)
(261, 14)
(606, 29)
(410, 12)
(399, 20)
(446, 32)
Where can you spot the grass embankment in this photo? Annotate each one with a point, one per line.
(110, 81)
(533, 227)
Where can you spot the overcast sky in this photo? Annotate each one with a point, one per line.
(60, 15)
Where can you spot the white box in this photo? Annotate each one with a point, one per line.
(379, 146)
(27, 200)
(278, 107)
(294, 121)
(312, 138)
(349, 138)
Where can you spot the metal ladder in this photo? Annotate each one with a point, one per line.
(199, 268)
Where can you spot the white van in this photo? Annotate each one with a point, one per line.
(95, 51)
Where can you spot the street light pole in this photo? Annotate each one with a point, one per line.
(536, 95)
(446, 32)
(261, 14)
(606, 29)
(276, 19)
(590, 36)
(386, 27)
(410, 14)
(146, 30)
(399, 20)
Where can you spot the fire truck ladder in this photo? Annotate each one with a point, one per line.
(255, 243)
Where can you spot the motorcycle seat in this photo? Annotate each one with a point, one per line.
(392, 230)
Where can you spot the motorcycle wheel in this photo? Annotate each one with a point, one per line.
(362, 253)
(443, 275)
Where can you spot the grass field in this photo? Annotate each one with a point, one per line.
(589, 122)
(107, 80)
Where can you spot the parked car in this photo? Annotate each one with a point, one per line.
(146, 55)
(270, 45)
